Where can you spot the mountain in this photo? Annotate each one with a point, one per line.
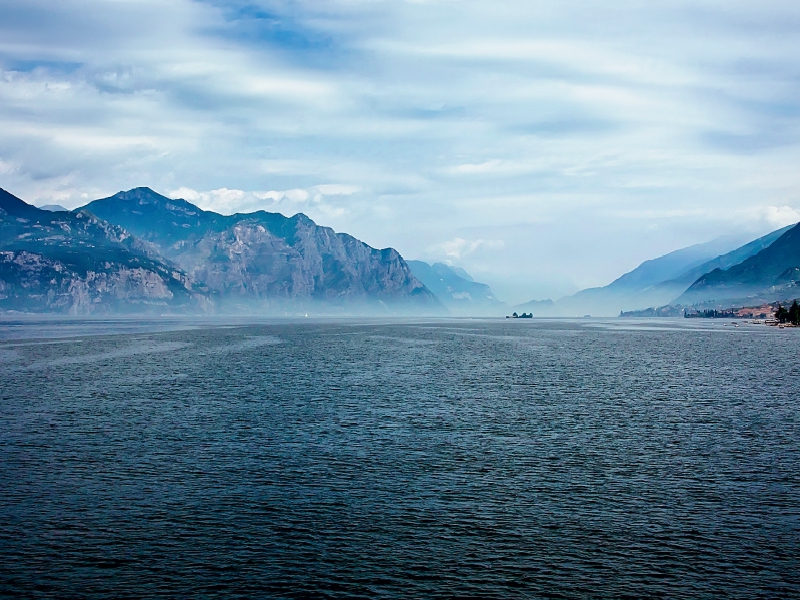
(460, 272)
(644, 286)
(54, 208)
(265, 261)
(675, 287)
(656, 282)
(456, 288)
(768, 275)
(537, 307)
(73, 262)
(673, 264)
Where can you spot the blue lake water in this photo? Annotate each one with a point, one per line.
(428, 458)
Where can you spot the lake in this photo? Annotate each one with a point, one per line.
(419, 458)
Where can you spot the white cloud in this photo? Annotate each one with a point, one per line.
(185, 193)
(588, 135)
(222, 200)
(458, 248)
(6, 168)
(271, 195)
(336, 189)
(229, 201)
(780, 216)
(296, 195)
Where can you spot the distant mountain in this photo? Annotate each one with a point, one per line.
(675, 287)
(459, 292)
(54, 208)
(539, 308)
(460, 272)
(643, 287)
(78, 264)
(266, 261)
(674, 264)
(658, 282)
(768, 275)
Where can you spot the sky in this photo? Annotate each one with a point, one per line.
(543, 146)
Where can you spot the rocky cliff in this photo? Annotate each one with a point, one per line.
(266, 261)
(75, 263)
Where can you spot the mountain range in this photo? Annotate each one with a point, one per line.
(88, 261)
(140, 252)
(714, 274)
(772, 273)
(75, 263)
(265, 261)
(457, 290)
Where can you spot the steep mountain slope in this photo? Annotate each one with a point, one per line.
(673, 264)
(641, 288)
(78, 264)
(770, 274)
(456, 289)
(266, 261)
(676, 287)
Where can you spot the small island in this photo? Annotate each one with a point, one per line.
(522, 316)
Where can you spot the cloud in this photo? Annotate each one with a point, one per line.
(459, 248)
(271, 195)
(229, 201)
(6, 168)
(222, 200)
(588, 136)
(296, 195)
(337, 189)
(780, 216)
(185, 194)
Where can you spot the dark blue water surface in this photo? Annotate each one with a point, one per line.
(425, 459)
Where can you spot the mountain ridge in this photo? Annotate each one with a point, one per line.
(456, 288)
(264, 260)
(75, 263)
(770, 274)
(638, 288)
(643, 287)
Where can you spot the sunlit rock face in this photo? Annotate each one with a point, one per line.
(76, 263)
(264, 261)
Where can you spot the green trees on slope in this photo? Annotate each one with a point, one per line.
(788, 316)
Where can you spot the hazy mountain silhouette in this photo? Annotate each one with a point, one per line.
(539, 308)
(457, 290)
(770, 274)
(660, 281)
(643, 286)
(675, 287)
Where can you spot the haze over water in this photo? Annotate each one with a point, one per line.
(428, 458)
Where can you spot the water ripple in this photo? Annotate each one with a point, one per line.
(473, 459)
